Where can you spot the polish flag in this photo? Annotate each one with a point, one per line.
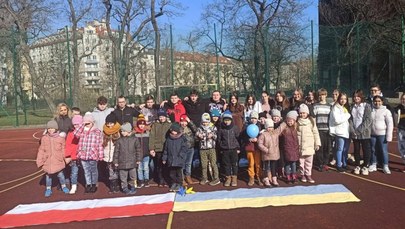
(85, 210)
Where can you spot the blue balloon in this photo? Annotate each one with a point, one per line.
(252, 130)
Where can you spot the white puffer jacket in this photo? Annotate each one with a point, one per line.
(339, 121)
(382, 122)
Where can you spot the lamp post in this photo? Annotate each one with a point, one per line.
(70, 101)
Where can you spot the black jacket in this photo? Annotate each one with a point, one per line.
(126, 115)
(194, 110)
(228, 137)
(175, 150)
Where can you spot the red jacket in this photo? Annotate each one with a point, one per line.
(71, 146)
(175, 111)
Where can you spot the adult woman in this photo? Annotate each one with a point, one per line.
(297, 99)
(361, 113)
(281, 103)
(251, 105)
(237, 110)
(339, 128)
(381, 133)
(400, 120)
(266, 103)
(62, 117)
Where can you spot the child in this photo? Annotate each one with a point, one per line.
(252, 152)
(111, 130)
(75, 111)
(262, 120)
(268, 143)
(127, 156)
(309, 142)
(89, 151)
(142, 134)
(156, 142)
(228, 142)
(51, 157)
(215, 116)
(276, 117)
(189, 130)
(174, 155)
(289, 147)
(71, 152)
(207, 134)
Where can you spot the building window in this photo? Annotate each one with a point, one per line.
(94, 57)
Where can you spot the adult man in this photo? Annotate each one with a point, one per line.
(215, 102)
(124, 113)
(175, 108)
(194, 107)
(101, 111)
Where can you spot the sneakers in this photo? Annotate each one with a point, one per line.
(340, 170)
(310, 180)
(140, 184)
(172, 187)
(65, 190)
(215, 182)
(303, 179)
(372, 168)
(147, 185)
(176, 188)
(259, 182)
(356, 170)
(203, 181)
(325, 168)
(274, 181)
(48, 192)
(266, 182)
(251, 181)
(294, 178)
(364, 171)
(386, 170)
(333, 162)
(73, 189)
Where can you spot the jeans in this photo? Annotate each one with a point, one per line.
(143, 169)
(90, 171)
(188, 162)
(379, 144)
(74, 172)
(401, 143)
(342, 149)
(290, 167)
(48, 178)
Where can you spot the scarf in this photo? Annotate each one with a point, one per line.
(113, 130)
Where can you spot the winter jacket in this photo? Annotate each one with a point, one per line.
(110, 136)
(194, 110)
(64, 124)
(339, 121)
(189, 132)
(248, 110)
(211, 104)
(175, 110)
(126, 115)
(202, 135)
(246, 143)
(228, 137)
(150, 113)
(99, 116)
(127, 152)
(237, 115)
(158, 134)
(90, 145)
(175, 150)
(382, 122)
(143, 138)
(268, 143)
(71, 146)
(51, 154)
(361, 121)
(308, 136)
(400, 116)
(289, 146)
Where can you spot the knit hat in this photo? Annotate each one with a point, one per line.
(205, 117)
(263, 114)
(88, 118)
(52, 125)
(268, 123)
(141, 120)
(126, 127)
(227, 115)
(304, 108)
(275, 112)
(215, 112)
(77, 120)
(162, 112)
(175, 127)
(254, 114)
(292, 114)
(183, 117)
(111, 118)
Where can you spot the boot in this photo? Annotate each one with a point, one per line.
(251, 181)
(274, 181)
(87, 189)
(259, 181)
(266, 182)
(73, 189)
(189, 180)
(234, 181)
(293, 178)
(228, 181)
(289, 178)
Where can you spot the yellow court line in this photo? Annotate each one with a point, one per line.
(21, 178)
(17, 160)
(15, 186)
(373, 181)
(170, 220)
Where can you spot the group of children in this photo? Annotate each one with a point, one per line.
(127, 151)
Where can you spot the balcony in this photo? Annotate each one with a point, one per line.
(91, 61)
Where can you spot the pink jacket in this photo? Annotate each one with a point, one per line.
(268, 143)
(51, 154)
